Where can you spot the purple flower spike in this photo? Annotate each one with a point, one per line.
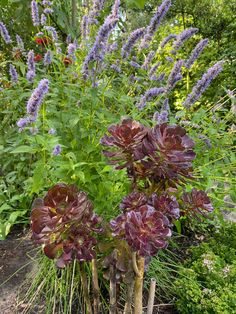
(36, 98)
(151, 93)
(71, 50)
(161, 117)
(20, 43)
(31, 66)
(133, 38)
(47, 58)
(115, 9)
(4, 33)
(148, 60)
(196, 52)
(155, 22)
(43, 19)
(181, 38)
(51, 30)
(175, 75)
(167, 39)
(154, 69)
(84, 27)
(13, 74)
(96, 9)
(56, 150)
(48, 11)
(203, 83)
(23, 122)
(35, 13)
(52, 131)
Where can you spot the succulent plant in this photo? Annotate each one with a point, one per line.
(65, 223)
(133, 201)
(126, 141)
(166, 204)
(197, 202)
(170, 154)
(145, 230)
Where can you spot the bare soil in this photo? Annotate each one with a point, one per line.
(16, 264)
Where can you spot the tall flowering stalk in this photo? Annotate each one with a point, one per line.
(196, 52)
(20, 43)
(30, 75)
(4, 33)
(175, 75)
(133, 38)
(35, 13)
(36, 99)
(167, 39)
(51, 30)
(13, 73)
(151, 93)
(148, 60)
(155, 22)
(47, 60)
(181, 38)
(203, 84)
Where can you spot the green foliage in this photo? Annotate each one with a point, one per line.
(207, 283)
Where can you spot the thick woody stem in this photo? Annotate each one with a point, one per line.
(112, 290)
(138, 286)
(151, 296)
(85, 288)
(96, 301)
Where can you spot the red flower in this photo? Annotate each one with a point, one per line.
(67, 61)
(38, 57)
(42, 41)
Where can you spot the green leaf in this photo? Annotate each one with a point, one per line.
(38, 178)
(138, 3)
(23, 149)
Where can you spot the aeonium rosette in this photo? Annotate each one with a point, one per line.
(64, 222)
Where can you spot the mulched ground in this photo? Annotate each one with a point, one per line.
(16, 264)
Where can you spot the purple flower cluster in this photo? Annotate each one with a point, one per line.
(115, 9)
(47, 60)
(196, 52)
(31, 66)
(96, 8)
(43, 19)
(20, 43)
(35, 13)
(155, 22)
(134, 64)
(48, 11)
(115, 66)
(36, 99)
(13, 74)
(97, 51)
(47, 3)
(133, 38)
(51, 30)
(71, 48)
(52, 131)
(57, 150)
(154, 69)
(151, 93)
(203, 83)
(84, 27)
(148, 60)
(4, 33)
(161, 117)
(169, 59)
(167, 39)
(182, 37)
(175, 75)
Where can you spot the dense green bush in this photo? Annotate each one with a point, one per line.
(207, 283)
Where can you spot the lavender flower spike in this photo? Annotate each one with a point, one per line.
(47, 58)
(71, 50)
(115, 9)
(22, 123)
(31, 66)
(167, 39)
(196, 52)
(134, 37)
(97, 51)
(151, 93)
(181, 38)
(154, 69)
(97, 7)
(57, 150)
(148, 60)
(52, 31)
(155, 22)
(20, 43)
(13, 74)
(203, 83)
(175, 75)
(43, 19)
(84, 28)
(4, 33)
(36, 99)
(35, 13)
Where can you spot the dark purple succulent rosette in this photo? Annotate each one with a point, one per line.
(145, 230)
(133, 201)
(65, 224)
(197, 202)
(166, 204)
(126, 143)
(171, 154)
